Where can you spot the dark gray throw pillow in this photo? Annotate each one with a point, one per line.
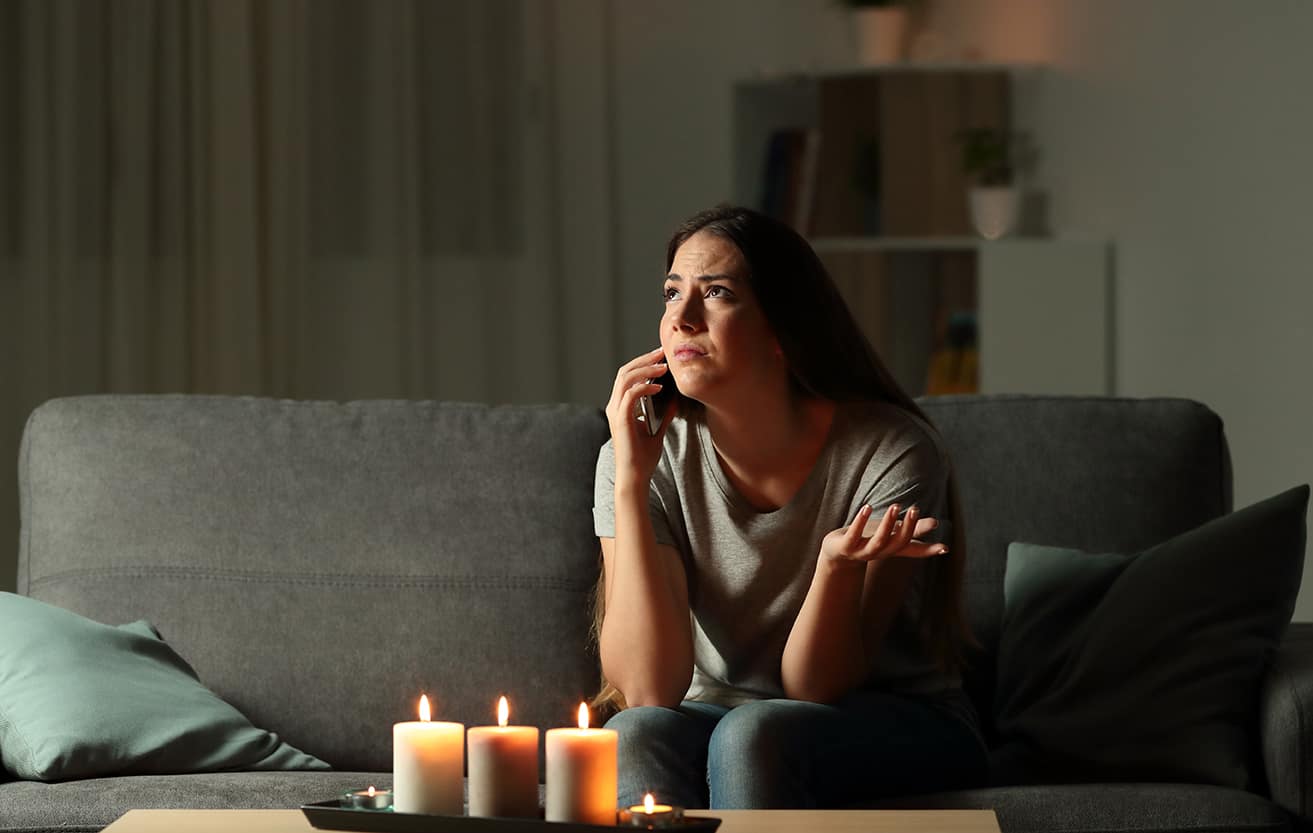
(1145, 666)
(79, 699)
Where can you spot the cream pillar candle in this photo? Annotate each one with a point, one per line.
(428, 765)
(503, 768)
(581, 773)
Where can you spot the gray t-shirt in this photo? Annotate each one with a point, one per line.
(749, 571)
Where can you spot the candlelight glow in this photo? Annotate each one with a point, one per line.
(649, 803)
(583, 715)
(371, 792)
(424, 713)
(503, 711)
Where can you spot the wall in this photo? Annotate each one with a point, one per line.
(1178, 128)
(674, 65)
(1181, 129)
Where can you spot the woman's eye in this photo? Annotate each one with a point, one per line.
(669, 293)
(717, 291)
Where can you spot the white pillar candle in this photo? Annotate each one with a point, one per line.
(503, 768)
(428, 765)
(581, 773)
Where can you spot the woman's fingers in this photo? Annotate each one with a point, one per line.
(629, 398)
(650, 357)
(901, 537)
(854, 533)
(903, 534)
(918, 549)
(886, 526)
(634, 372)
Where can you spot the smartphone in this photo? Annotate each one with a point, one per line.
(650, 408)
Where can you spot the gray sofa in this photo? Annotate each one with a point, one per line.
(320, 564)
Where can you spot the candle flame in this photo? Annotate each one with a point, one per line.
(424, 713)
(503, 711)
(583, 715)
(371, 792)
(649, 803)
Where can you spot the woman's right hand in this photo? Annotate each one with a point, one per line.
(636, 452)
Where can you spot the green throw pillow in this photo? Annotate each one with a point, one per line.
(1148, 666)
(79, 699)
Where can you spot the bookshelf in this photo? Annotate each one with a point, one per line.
(865, 163)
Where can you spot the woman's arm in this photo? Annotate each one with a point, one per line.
(646, 640)
(855, 594)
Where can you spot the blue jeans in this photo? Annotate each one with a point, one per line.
(794, 754)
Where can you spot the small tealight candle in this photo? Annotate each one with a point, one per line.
(503, 768)
(370, 799)
(581, 773)
(651, 815)
(428, 765)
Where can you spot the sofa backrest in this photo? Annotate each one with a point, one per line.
(1100, 474)
(322, 564)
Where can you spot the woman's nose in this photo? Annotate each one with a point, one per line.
(686, 316)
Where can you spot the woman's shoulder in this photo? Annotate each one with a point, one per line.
(891, 453)
(894, 428)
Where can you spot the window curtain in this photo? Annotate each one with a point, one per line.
(305, 198)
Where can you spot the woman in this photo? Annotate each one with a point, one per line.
(779, 615)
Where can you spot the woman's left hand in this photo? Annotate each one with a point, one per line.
(893, 538)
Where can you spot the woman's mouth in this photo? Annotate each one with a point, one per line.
(687, 352)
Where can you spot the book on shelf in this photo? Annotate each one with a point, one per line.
(788, 190)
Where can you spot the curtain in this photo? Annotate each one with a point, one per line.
(303, 198)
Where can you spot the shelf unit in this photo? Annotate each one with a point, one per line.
(899, 244)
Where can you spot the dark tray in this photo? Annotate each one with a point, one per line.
(330, 815)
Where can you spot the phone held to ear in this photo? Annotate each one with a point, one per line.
(650, 408)
(647, 413)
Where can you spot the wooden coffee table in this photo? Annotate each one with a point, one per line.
(733, 821)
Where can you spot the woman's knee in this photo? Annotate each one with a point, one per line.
(756, 731)
(646, 721)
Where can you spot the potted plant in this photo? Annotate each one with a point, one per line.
(881, 27)
(989, 159)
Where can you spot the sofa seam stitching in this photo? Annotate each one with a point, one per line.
(323, 579)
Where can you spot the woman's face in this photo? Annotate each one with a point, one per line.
(713, 332)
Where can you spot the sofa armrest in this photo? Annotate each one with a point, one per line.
(1286, 721)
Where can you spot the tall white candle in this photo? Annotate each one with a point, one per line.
(503, 768)
(428, 765)
(581, 773)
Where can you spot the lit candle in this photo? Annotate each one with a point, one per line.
(503, 768)
(651, 815)
(370, 799)
(581, 773)
(428, 765)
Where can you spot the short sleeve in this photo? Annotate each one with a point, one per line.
(915, 473)
(604, 502)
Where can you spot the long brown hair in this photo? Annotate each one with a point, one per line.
(828, 357)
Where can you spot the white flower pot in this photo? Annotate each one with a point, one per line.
(881, 34)
(994, 210)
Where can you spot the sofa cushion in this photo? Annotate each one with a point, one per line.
(1111, 808)
(320, 564)
(1101, 474)
(1146, 667)
(80, 699)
